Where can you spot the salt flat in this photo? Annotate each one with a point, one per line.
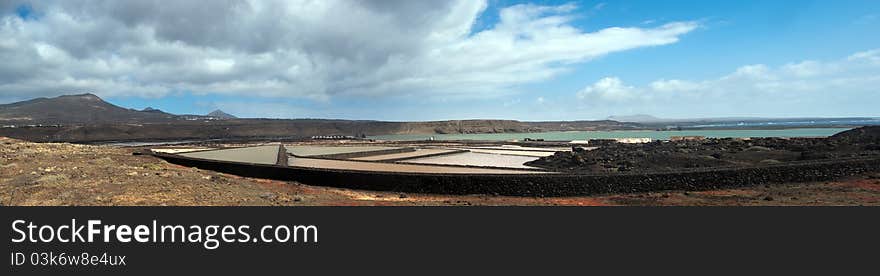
(259, 154)
(395, 167)
(511, 152)
(521, 148)
(418, 152)
(325, 150)
(477, 159)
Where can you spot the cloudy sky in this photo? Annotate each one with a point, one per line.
(433, 60)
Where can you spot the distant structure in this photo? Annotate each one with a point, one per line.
(605, 142)
(333, 137)
(687, 138)
(640, 140)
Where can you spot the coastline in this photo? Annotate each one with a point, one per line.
(602, 134)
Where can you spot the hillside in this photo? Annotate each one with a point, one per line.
(75, 109)
(219, 114)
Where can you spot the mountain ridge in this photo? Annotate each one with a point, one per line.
(75, 109)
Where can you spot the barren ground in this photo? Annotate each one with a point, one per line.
(70, 174)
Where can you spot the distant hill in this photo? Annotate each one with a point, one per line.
(649, 121)
(219, 114)
(88, 118)
(638, 118)
(75, 109)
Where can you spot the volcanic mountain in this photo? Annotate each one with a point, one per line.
(219, 114)
(75, 109)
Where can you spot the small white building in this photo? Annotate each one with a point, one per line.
(641, 140)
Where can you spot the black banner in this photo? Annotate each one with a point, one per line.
(461, 240)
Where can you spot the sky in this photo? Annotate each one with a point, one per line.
(403, 60)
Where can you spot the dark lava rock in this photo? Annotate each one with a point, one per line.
(862, 135)
(665, 156)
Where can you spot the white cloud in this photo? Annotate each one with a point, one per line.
(219, 66)
(755, 71)
(607, 89)
(261, 109)
(675, 86)
(871, 56)
(805, 88)
(807, 68)
(310, 49)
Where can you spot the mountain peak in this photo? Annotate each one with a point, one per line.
(220, 114)
(75, 109)
(85, 96)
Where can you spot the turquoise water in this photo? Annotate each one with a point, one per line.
(584, 135)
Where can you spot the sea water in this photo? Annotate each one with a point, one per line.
(586, 135)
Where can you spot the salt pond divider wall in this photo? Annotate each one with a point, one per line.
(543, 184)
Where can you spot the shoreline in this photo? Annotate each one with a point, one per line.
(684, 132)
(245, 139)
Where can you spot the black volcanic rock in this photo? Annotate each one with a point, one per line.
(864, 135)
(714, 152)
(75, 109)
(219, 114)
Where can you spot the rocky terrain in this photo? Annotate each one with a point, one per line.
(708, 153)
(59, 174)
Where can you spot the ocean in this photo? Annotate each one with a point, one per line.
(585, 135)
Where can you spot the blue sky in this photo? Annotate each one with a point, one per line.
(548, 60)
